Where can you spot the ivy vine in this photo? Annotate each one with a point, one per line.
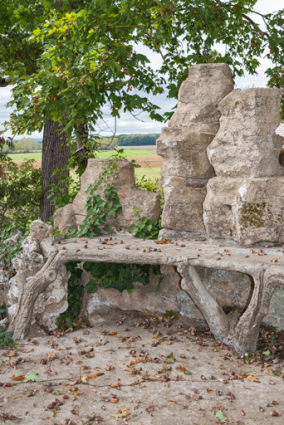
(106, 275)
(97, 208)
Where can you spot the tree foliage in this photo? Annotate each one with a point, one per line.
(86, 57)
(19, 193)
(27, 143)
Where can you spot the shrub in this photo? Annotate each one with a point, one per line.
(145, 183)
(20, 193)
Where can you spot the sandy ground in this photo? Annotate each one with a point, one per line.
(137, 369)
(144, 161)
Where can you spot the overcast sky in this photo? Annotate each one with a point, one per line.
(128, 124)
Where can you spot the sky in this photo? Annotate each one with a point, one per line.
(127, 124)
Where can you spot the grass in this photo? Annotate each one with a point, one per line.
(150, 173)
(105, 154)
(24, 156)
(127, 152)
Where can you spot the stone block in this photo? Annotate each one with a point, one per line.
(199, 96)
(148, 203)
(246, 144)
(40, 230)
(183, 204)
(65, 219)
(245, 211)
(184, 153)
(231, 289)
(183, 144)
(157, 296)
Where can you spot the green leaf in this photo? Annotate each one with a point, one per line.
(267, 353)
(5, 359)
(170, 359)
(130, 290)
(132, 228)
(3, 310)
(32, 377)
(220, 415)
(169, 313)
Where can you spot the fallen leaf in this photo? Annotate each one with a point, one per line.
(252, 378)
(170, 358)
(118, 384)
(220, 415)
(96, 375)
(17, 378)
(122, 413)
(32, 377)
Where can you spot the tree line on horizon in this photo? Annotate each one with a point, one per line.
(27, 144)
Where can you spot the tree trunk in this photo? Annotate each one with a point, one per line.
(55, 155)
(81, 133)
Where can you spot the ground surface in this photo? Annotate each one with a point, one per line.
(140, 369)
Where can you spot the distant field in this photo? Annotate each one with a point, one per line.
(24, 156)
(149, 173)
(149, 167)
(129, 152)
(143, 151)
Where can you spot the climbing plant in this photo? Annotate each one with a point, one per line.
(118, 276)
(75, 295)
(98, 209)
(103, 202)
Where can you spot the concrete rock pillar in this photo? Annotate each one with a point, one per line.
(245, 202)
(130, 197)
(182, 145)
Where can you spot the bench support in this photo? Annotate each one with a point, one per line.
(239, 332)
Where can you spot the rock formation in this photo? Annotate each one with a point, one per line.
(148, 203)
(244, 202)
(185, 167)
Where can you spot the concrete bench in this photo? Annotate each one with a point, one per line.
(241, 333)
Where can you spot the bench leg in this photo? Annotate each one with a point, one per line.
(245, 335)
(209, 307)
(241, 334)
(21, 322)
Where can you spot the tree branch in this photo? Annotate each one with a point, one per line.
(152, 39)
(3, 82)
(255, 24)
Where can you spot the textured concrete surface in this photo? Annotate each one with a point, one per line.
(148, 369)
(246, 144)
(245, 211)
(182, 145)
